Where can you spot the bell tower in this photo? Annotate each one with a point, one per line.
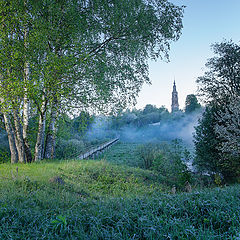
(175, 105)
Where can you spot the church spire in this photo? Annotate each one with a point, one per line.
(174, 86)
(175, 105)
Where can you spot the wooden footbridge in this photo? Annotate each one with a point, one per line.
(95, 152)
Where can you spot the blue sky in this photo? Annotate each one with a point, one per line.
(205, 22)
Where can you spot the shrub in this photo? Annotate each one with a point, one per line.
(147, 154)
(69, 148)
(4, 148)
(168, 160)
(4, 156)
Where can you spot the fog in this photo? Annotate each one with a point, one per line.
(166, 131)
(181, 128)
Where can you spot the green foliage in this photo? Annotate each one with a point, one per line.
(218, 180)
(149, 108)
(191, 104)
(4, 155)
(124, 154)
(84, 179)
(102, 201)
(69, 148)
(147, 154)
(64, 127)
(81, 123)
(221, 81)
(168, 160)
(70, 135)
(59, 224)
(140, 118)
(216, 139)
(175, 171)
(227, 129)
(4, 148)
(66, 55)
(206, 142)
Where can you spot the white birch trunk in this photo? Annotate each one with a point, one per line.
(50, 139)
(10, 132)
(26, 102)
(26, 113)
(53, 151)
(19, 137)
(39, 147)
(40, 137)
(43, 135)
(26, 107)
(11, 139)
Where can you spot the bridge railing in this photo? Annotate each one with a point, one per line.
(94, 152)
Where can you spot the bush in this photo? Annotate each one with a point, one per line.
(4, 148)
(168, 160)
(147, 154)
(174, 170)
(4, 156)
(69, 148)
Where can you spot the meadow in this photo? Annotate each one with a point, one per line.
(109, 198)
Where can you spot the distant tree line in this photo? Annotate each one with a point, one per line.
(151, 114)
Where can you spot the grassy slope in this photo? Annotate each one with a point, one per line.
(102, 200)
(123, 154)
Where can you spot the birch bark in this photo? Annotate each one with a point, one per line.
(26, 113)
(19, 137)
(11, 138)
(50, 139)
(26, 102)
(39, 147)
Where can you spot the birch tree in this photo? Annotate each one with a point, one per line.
(73, 54)
(96, 57)
(12, 47)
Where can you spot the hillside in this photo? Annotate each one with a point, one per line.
(100, 199)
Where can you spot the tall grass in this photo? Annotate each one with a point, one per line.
(96, 199)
